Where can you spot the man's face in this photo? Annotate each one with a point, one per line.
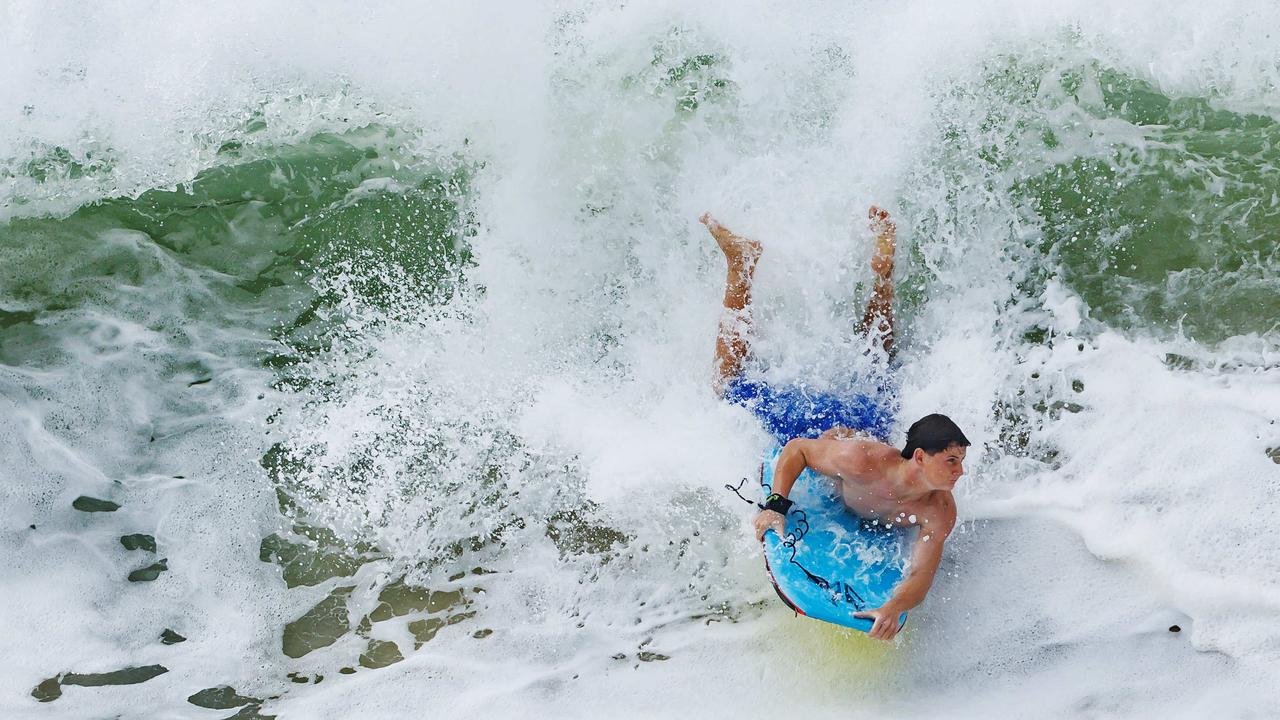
(943, 469)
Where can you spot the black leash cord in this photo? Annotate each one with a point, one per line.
(735, 491)
(795, 536)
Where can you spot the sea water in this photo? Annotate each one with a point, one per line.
(355, 362)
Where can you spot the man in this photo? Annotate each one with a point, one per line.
(907, 488)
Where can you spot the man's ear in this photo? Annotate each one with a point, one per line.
(918, 455)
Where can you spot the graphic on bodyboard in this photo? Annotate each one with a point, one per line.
(832, 563)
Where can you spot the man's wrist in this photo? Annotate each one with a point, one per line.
(894, 608)
(777, 503)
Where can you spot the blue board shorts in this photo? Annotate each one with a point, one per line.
(795, 411)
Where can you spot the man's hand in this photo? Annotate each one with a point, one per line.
(770, 520)
(886, 621)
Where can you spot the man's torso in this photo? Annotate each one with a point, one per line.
(867, 488)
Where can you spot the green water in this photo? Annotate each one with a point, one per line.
(1161, 212)
(1173, 225)
(1181, 232)
(246, 252)
(256, 231)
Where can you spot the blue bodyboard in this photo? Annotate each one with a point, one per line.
(832, 563)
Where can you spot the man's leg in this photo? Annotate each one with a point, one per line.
(735, 325)
(877, 322)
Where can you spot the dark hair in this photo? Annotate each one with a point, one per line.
(933, 434)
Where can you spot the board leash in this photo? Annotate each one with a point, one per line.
(793, 537)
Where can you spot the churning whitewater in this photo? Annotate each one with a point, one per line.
(356, 362)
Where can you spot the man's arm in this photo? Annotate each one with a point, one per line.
(823, 455)
(791, 462)
(925, 558)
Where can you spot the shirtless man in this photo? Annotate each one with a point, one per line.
(909, 488)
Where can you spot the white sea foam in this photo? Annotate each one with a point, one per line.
(1148, 505)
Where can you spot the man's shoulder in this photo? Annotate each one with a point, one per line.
(871, 448)
(849, 437)
(940, 508)
(872, 457)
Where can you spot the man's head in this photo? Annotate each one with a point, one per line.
(938, 446)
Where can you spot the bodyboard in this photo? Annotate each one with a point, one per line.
(832, 563)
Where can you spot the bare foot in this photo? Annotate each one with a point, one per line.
(739, 251)
(886, 233)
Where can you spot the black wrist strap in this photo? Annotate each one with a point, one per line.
(777, 503)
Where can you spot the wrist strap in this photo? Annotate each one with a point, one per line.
(777, 503)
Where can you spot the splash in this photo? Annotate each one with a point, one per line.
(368, 363)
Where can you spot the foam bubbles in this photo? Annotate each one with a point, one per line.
(547, 442)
